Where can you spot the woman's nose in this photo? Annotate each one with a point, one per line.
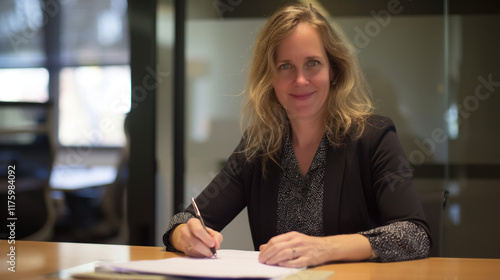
(301, 78)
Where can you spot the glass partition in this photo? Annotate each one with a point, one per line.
(471, 224)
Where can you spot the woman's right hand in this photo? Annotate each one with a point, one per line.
(192, 239)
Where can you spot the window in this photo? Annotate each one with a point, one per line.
(74, 54)
(92, 104)
(15, 88)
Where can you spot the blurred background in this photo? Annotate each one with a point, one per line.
(115, 113)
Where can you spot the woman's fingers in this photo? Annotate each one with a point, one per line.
(197, 241)
(292, 249)
(216, 236)
(279, 248)
(199, 232)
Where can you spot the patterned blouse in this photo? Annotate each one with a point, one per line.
(300, 208)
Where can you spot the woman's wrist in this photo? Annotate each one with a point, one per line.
(350, 247)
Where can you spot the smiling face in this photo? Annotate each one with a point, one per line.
(302, 82)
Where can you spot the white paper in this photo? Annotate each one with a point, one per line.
(227, 264)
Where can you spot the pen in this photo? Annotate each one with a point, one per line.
(198, 215)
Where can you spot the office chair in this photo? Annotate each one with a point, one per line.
(434, 203)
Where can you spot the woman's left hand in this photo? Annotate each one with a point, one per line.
(295, 249)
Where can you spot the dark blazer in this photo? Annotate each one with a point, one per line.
(368, 183)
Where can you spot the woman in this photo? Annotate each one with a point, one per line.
(323, 179)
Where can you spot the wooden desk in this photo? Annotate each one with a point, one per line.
(34, 260)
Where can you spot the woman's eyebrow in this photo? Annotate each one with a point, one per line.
(306, 58)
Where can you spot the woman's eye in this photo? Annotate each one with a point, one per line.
(313, 63)
(284, 67)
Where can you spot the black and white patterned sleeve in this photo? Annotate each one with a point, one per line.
(180, 218)
(398, 241)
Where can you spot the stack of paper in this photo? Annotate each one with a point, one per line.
(227, 264)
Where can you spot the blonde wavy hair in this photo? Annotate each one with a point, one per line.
(348, 104)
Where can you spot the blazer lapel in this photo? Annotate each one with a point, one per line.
(334, 175)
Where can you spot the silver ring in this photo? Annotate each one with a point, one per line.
(293, 254)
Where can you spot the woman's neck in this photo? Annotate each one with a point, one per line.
(307, 133)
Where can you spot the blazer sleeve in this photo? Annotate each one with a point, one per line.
(392, 177)
(404, 233)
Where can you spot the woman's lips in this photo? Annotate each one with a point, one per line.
(302, 96)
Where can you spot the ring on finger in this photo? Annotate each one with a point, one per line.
(293, 254)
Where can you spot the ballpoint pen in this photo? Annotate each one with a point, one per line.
(198, 215)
